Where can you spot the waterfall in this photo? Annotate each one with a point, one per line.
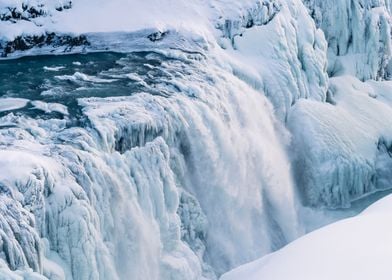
(184, 176)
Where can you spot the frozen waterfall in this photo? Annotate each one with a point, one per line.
(153, 184)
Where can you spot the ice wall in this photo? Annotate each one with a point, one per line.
(280, 41)
(343, 148)
(358, 34)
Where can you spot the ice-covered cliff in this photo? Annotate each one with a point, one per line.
(358, 35)
(216, 133)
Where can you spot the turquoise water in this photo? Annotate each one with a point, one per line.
(65, 78)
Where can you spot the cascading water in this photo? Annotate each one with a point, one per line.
(144, 171)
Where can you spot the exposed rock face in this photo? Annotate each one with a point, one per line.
(29, 10)
(23, 43)
(33, 11)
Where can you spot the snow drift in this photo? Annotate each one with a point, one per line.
(355, 248)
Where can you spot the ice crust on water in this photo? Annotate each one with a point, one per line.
(9, 103)
(50, 107)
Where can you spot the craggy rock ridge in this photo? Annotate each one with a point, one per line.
(24, 43)
(33, 11)
(29, 10)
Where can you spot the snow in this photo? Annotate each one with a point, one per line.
(354, 248)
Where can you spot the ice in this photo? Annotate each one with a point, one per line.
(342, 149)
(49, 107)
(28, 274)
(77, 76)
(358, 35)
(9, 104)
(54, 68)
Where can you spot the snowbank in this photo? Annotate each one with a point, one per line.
(356, 248)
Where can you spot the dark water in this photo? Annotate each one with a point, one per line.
(63, 79)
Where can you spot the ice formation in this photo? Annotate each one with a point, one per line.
(336, 165)
(289, 59)
(358, 35)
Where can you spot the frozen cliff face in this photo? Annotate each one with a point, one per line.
(281, 42)
(343, 149)
(348, 159)
(358, 35)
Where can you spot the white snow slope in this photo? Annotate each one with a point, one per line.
(213, 170)
(356, 248)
